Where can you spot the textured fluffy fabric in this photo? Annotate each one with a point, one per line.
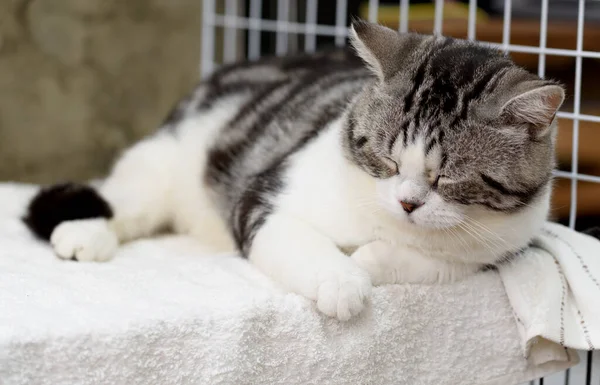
(554, 290)
(164, 312)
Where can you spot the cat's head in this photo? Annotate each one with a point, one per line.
(451, 130)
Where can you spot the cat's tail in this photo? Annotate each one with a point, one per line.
(64, 202)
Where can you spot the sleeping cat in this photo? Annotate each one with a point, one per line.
(427, 164)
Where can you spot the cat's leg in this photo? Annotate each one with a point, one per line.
(389, 265)
(306, 262)
(139, 193)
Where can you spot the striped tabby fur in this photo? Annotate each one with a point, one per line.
(428, 163)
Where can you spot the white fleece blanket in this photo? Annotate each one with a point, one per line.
(163, 312)
(554, 290)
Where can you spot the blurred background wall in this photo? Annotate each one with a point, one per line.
(82, 79)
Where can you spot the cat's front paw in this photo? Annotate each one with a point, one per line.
(373, 258)
(385, 264)
(84, 240)
(343, 294)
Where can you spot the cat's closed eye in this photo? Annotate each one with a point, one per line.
(393, 168)
(433, 176)
(440, 177)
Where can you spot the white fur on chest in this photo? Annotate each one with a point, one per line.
(325, 190)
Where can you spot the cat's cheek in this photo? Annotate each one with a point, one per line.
(437, 213)
(386, 195)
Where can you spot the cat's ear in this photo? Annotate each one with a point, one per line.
(380, 47)
(535, 107)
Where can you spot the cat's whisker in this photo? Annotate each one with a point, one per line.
(480, 225)
(368, 204)
(497, 241)
(487, 243)
(475, 235)
(366, 199)
(461, 240)
(524, 204)
(448, 233)
(450, 230)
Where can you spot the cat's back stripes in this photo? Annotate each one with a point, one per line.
(290, 101)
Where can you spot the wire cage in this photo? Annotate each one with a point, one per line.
(556, 39)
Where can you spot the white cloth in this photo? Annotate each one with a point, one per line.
(554, 290)
(162, 312)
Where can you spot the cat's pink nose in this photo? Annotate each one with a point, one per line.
(409, 207)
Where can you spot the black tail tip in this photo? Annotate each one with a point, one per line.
(63, 202)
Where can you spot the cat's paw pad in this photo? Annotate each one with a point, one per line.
(372, 259)
(84, 240)
(343, 294)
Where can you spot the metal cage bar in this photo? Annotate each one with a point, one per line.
(403, 16)
(230, 44)
(310, 41)
(330, 30)
(472, 19)
(543, 38)
(575, 148)
(254, 43)
(576, 110)
(207, 52)
(373, 9)
(438, 19)
(283, 13)
(340, 22)
(506, 25)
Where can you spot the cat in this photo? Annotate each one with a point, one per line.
(412, 159)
